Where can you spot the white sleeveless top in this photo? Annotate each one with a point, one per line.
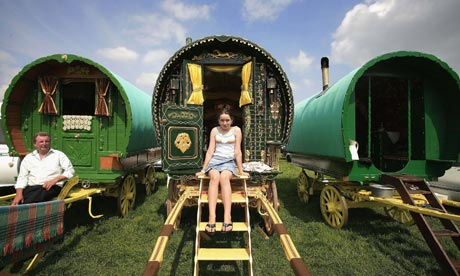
(225, 144)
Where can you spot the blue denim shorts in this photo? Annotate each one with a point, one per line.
(221, 164)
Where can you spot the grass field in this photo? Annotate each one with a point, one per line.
(371, 243)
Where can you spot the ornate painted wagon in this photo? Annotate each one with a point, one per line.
(376, 137)
(97, 118)
(200, 79)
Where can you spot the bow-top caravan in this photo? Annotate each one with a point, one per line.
(198, 81)
(214, 73)
(376, 137)
(98, 119)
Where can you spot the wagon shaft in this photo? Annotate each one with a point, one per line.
(255, 193)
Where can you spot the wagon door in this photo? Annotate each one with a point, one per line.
(182, 147)
(79, 130)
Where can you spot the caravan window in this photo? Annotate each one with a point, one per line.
(78, 98)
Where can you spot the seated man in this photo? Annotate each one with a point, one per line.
(42, 172)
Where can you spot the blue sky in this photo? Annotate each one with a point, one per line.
(135, 38)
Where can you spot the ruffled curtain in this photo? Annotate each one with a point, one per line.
(48, 86)
(102, 87)
(197, 86)
(245, 98)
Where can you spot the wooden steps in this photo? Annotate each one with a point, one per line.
(237, 197)
(223, 254)
(237, 226)
(229, 253)
(406, 187)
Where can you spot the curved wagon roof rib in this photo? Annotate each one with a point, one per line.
(230, 44)
(135, 100)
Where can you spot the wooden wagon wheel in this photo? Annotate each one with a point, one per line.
(303, 187)
(126, 195)
(150, 182)
(272, 196)
(401, 215)
(333, 207)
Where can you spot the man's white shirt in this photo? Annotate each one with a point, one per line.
(36, 171)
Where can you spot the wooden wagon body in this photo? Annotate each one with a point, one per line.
(101, 121)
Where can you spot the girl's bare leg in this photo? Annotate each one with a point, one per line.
(213, 191)
(226, 190)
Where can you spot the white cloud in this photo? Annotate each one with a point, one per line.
(146, 81)
(155, 57)
(379, 26)
(265, 10)
(301, 63)
(183, 11)
(155, 29)
(301, 86)
(8, 69)
(118, 54)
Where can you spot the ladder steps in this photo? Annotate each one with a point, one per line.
(433, 208)
(409, 178)
(422, 192)
(240, 197)
(446, 233)
(237, 226)
(403, 184)
(223, 254)
(237, 197)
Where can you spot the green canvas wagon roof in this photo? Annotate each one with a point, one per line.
(324, 123)
(137, 102)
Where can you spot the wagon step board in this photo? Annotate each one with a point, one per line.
(205, 253)
(237, 197)
(406, 186)
(237, 226)
(223, 254)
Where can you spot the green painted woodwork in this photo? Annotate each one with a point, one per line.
(267, 118)
(182, 147)
(126, 131)
(413, 96)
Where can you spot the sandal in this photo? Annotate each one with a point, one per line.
(211, 227)
(225, 227)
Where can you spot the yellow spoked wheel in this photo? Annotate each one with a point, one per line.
(303, 187)
(398, 214)
(150, 182)
(126, 195)
(333, 207)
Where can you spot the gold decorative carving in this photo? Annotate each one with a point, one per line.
(78, 70)
(219, 54)
(248, 155)
(183, 115)
(275, 110)
(183, 142)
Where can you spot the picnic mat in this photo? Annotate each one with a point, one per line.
(25, 226)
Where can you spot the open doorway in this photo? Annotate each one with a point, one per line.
(221, 89)
(388, 97)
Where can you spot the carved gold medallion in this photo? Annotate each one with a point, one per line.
(183, 142)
